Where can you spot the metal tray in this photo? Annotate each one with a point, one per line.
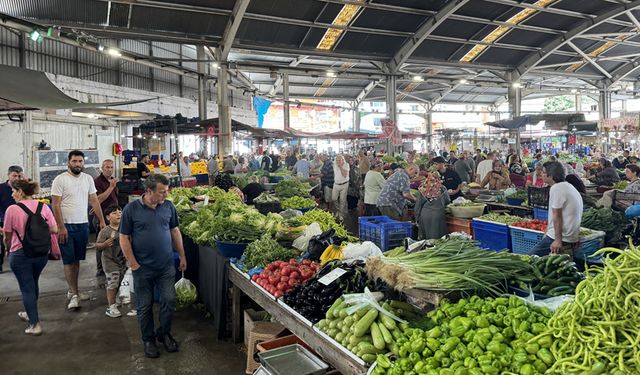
(292, 359)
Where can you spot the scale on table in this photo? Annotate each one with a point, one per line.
(488, 195)
(289, 360)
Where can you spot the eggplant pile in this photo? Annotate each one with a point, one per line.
(313, 299)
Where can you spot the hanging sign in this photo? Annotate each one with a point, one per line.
(620, 122)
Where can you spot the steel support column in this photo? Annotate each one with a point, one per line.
(515, 101)
(392, 109)
(225, 136)
(428, 119)
(285, 97)
(202, 83)
(604, 109)
(356, 117)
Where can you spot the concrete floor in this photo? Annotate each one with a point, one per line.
(89, 342)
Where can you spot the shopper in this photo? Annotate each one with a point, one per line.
(608, 176)
(213, 168)
(430, 208)
(106, 188)
(452, 182)
(252, 190)
(396, 190)
(327, 179)
(535, 178)
(565, 213)
(148, 234)
(302, 168)
(113, 261)
(6, 199)
(265, 163)
(363, 164)
(340, 186)
(27, 263)
(228, 165)
(291, 159)
(71, 193)
(464, 167)
(355, 184)
(143, 170)
(241, 167)
(316, 165)
(373, 183)
(620, 162)
(498, 178)
(484, 167)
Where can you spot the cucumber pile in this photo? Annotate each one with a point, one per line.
(553, 275)
(367, 332)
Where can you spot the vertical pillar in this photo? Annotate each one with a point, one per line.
(604, 109)
(428, 119)
(285, 97)
(202, 96)
(515, 100)
(356, 116)
(578, 99)
(224, 116)
(392, 110)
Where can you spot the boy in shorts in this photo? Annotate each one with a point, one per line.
(113, 262)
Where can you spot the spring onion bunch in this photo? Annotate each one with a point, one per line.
(451, 264)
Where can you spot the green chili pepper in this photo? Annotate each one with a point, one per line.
(498, 337)
(414, 357)
(523, 327)
(433, 363)
(481, 341)
(494, 329)
(520, 357)
(461, 371)
(496, 347)
(475, 371)
(508, 332)
(438, 355)
(489, 370)
(453, 311)
(481, 321)
(418, 366)
(459, 325)
(426, 353)
(446, 362)
(434, 333)
(500, 301)
(540, 366)
(537, 328)
(485, 360)
(501, 309)
(545, 355)
(472, 314)
(469, 335)
(521, 312)
(446, 371)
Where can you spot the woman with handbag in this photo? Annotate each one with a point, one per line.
(29, 253)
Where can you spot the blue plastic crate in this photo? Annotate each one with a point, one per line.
(231, 250)
(384, 232)
(523, 240)
(492, 236)
(540, 213)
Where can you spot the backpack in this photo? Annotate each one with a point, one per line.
(37, 239)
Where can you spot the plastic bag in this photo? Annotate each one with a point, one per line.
(361, 251)
(552, 303)
(126, 285)
(302, 242)
(358, 301)
(186, 292)
(318, 244)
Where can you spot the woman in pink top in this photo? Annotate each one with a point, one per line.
(26, 269)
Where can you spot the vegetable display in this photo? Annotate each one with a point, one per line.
(553, 275)
(607, 220)
(298, 202)
(597, 332)
(279, 277)
(453, 263)
(474, 337)
(241, 181)
(264, 251)
(367, 332)
(181, 197)
(326, 221)
(519, 194)
(621, 185)
(501, 218)
(313, 299)
(539, 225)
(292, 188)
(265, 197)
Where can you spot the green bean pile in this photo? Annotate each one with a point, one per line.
(599, 332)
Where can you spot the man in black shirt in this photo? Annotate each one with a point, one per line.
(252, 190)
(450, 178)
(291, 159)
(265, 163)
(143, 170)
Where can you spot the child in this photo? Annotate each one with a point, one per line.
(113, 262)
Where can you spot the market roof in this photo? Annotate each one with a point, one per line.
(450, 51)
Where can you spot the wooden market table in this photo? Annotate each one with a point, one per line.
(336, 355)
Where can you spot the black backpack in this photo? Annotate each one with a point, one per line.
(37, 239)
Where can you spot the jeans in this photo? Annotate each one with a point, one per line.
(544, 247)
(146, 280)
(27, 270)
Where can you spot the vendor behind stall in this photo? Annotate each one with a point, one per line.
(498, 178)
(450, 177)
(608, 176)
(565, 213)
(252, 190)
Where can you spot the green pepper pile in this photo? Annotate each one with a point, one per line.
(475, 337)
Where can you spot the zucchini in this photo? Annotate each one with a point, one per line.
(339, 337)
(386, 335)
(362, 312)
(345, 329)
(369, 358)
(402, 305)
(333, 324)
(333, 307)
(355, 340)
(560, 290)
(364, 324)
(396, 333)
(376, 335)
(388, 322)
(366, 348)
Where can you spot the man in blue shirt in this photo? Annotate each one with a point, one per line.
(148, 234)
(302, 167)
(396, 191)
(6, 199)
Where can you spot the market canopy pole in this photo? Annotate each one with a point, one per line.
(285, 96)
(514, 95)
(224, 116)
(428, 122)
(392, 110)
(604, 109)
(202, 94)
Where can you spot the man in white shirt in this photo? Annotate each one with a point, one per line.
(340, 186)
(565, 213)
(71, 193)
(485, 167)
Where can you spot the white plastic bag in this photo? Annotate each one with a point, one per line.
(358, 301)
(552, 303)
(355, 251)
(186, 292)
(302, 243)
(126, 286)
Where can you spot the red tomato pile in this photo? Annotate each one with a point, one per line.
(536, 224)
(279, 277)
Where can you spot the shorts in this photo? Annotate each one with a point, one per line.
(75, 248)
(328, 192)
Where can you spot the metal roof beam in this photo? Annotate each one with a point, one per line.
(581, 27)
(612, 40)
(366, 91)
(399, 92)
(278, 82)
(589, 59)
(235, 19)
(304, 71)
(622, 72)
(633, 19)
(562, 12)
(423, 32)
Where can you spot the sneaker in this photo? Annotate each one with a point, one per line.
(132, 313)
(91, 245)
(73, 303)
(35, 330)
(83, 296)
(113, 312)
(23, 316)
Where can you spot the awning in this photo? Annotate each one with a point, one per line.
(23, 89)
(552, 121)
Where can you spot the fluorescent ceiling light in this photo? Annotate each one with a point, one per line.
(418, 78)
(516, 85)
(331, 73)
(100, 47)
(35, 35)
(463, 81)
(114, 52)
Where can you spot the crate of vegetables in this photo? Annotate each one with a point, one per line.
(384, 232)
(525, 235)
(492, 231)
(279, 277)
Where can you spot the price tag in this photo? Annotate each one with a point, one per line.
(331, 276)
(206, 200)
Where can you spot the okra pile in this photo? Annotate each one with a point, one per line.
(474, 337)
